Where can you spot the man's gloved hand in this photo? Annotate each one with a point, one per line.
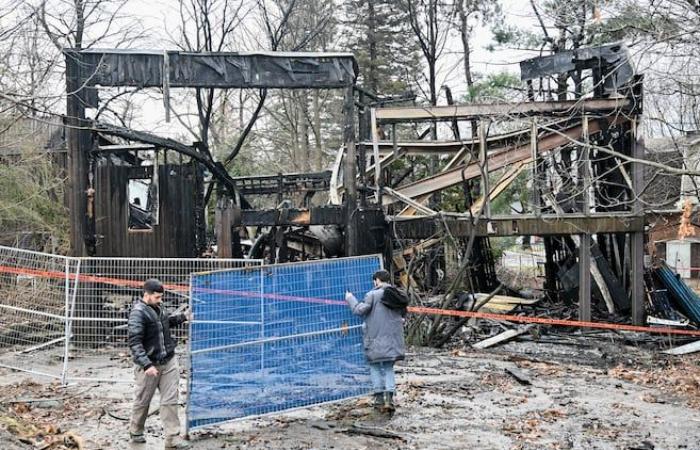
(348, 295)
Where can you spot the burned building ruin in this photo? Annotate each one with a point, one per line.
(581, 156)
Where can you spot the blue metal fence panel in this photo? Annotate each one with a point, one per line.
(275, 338)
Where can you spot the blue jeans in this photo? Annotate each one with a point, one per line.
(382, 374)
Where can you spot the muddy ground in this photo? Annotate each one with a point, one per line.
(567, 393)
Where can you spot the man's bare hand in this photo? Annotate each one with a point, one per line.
(151, 372)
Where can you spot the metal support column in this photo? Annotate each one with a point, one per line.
(584, 276)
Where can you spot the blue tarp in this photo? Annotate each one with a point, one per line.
(687, 299)
(274, 338)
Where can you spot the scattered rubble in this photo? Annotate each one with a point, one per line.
(521, 395)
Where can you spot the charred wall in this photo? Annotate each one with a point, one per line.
(178, 231)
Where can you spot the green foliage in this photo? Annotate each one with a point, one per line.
(500, 245)
(505, 35)
(494, 87)
(518, 191)
(31, 197)
(378, 34)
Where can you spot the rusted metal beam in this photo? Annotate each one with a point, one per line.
(564, 224)
(325, 215)
(513, 110)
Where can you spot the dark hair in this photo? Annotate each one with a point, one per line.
(382, 275)
(152, 285)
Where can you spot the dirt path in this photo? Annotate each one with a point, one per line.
(460, 399)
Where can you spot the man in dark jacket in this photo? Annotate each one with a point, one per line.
(383, 335)
(153, 351)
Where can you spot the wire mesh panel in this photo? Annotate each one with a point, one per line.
(35, 289)
(276, 338)
(107, 289)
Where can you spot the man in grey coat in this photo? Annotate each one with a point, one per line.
(383, 336)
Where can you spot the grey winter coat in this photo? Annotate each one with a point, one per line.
(383, 327)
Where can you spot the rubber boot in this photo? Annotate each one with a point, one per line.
(389, 403)
(378, 401)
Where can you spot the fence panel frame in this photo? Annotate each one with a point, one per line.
(262, 292)
(75, 272)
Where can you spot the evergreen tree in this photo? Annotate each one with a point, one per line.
(377, 32)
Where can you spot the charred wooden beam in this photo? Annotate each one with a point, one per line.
(176, 69)
(324, 215)
(612, 61)
(565, 224)
(217, 170)
(498, 159)
(286, 183)
(566, 108)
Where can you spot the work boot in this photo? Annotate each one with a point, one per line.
(378, 400)
(138, 438)
(174, 441)
(389, 403)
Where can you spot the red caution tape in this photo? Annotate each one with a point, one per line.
(554, 322)
(412, 309)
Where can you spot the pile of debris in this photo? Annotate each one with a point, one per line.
(670, 303)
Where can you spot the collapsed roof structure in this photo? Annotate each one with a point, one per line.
(581, 157)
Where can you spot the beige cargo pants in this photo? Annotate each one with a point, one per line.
(167, 382)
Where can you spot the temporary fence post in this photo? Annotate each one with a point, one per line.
(70, 307)
(66, 287)
(189, 358)
(262, 321)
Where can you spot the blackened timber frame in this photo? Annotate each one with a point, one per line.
(625, 109)
(222, 70)
(565, 108)
(518, 225)
(86, 69)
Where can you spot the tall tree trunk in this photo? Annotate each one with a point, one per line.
(79, 23)
(373, 82)
(464, 35)
(317, 130)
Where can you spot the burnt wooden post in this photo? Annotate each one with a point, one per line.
(363, 130)
(349, 172)
(584, 275)
(584, 259)
(637, 238)
(78, 142)
(223, 216)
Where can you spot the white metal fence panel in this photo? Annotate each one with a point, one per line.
(36, 290)
(45, 298)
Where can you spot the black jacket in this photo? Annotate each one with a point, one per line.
(149, 334)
